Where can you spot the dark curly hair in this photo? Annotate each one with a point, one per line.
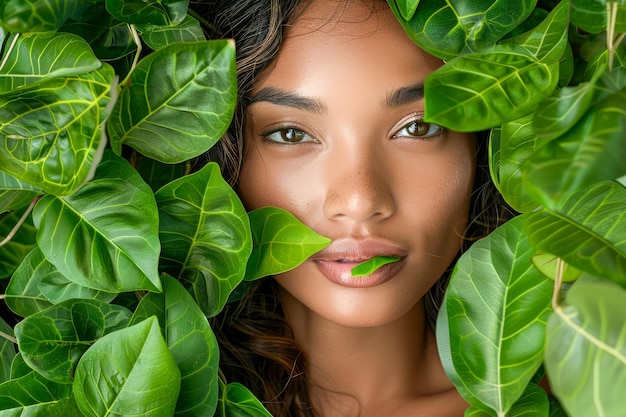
(257, 346)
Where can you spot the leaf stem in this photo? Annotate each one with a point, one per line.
(558, 283)
(8, 53)
(611, 41)
(137, 40)
(21, 221)
(8, 337)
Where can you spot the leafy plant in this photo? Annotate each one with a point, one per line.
(117, 247)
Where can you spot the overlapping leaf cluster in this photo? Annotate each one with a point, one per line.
(116, 246)
(547, 290)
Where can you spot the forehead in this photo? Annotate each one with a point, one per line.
(335, 40)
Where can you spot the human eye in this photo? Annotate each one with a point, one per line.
(288, 135)
(417, 128)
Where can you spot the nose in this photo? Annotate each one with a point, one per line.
(359, 186)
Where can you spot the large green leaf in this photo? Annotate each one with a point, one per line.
(511, 145)
(281, 242)
(205, 234)
(50, 131)
(32, 392)
(154, 12)
(586, 350)
(45, 55)
(7, 351)
(491, 328)
(179, 102)
(12, 253)
(237, 401)
(128, 373)
(157, 174)
(14, 193)
(39, 15)
(587, 230)
(532, 403)
(447, 29)
(63, 408)
(52, 341)
(105, 236)
(590, 152)
(156, 37)
(482, 90)
(591, 15)
(191, 342)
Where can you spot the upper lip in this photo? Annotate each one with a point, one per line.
(358, 250)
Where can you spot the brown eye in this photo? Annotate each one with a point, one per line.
(418, 129)
(292, 135)
(289, 135)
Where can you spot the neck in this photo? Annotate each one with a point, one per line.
(387, 364)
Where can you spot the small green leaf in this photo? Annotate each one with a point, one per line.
(548, 264)
(156, 37)
(281, 242)
(205, 235)
(371, 265)
(237, 400)
(191, 342)
(482, 90)
(586, 349)
(52, 341)
(491, 327)
(179, 102)
(128, 373)
(104, 236)
(154, 12)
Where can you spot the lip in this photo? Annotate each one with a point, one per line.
(337, 260)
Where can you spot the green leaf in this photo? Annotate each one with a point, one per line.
(63, 408)
(191, 343)
(585, 349)
(31, 392)
(237, 400)
(548, 264)
(50, 131)
(128, 373)
(482, 90)
(156, 37)
(23, 295)
(587, 230)
(281, 242)
(12, 253)
(52, 341)
(19, 368)
(407, 8)
(38, 15)
(7, 352)
(179, 102)
(45, 55)
(154, 12)
(371, 265)
(509, 148)
(205, 234)
(548, 40)
(105, 236)
(590, 152)
(448, 29)
(491, 327)
(157, 174)
(532, 403)
(15, 194)
(591, 15)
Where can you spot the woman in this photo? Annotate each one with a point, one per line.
(329, 127)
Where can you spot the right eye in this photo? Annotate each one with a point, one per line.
(289, 135)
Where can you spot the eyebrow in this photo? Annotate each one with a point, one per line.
(290, 99)
(405, 95)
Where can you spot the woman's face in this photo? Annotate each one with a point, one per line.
(335, 136)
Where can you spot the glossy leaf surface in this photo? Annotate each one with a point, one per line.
(15, 194)
(532, 403)
(179, 102)
(38, 15)
(491, 327)
(587, 230)
(129, 372)
(155, 12)
(591, 15)
(21, 243)
(482, 90)
(105, 236)
(31, 392)
(281, 242)
(236, 400)
(52, 341)
(586, 349)
(156, 37)
(191, 343)
(46, 55)
(50, 131)
(205, 234)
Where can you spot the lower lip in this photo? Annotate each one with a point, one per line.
(341, 273)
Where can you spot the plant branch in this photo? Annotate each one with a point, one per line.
(137, 40)
(558, 283)
(21, 221)
(6, 57)
(8, 337)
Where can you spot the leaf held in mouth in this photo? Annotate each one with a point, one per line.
(371, 265)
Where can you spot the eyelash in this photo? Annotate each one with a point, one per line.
(405, 124)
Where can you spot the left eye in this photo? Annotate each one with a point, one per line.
(418, 129)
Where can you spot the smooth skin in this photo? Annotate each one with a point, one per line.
(335, 136)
